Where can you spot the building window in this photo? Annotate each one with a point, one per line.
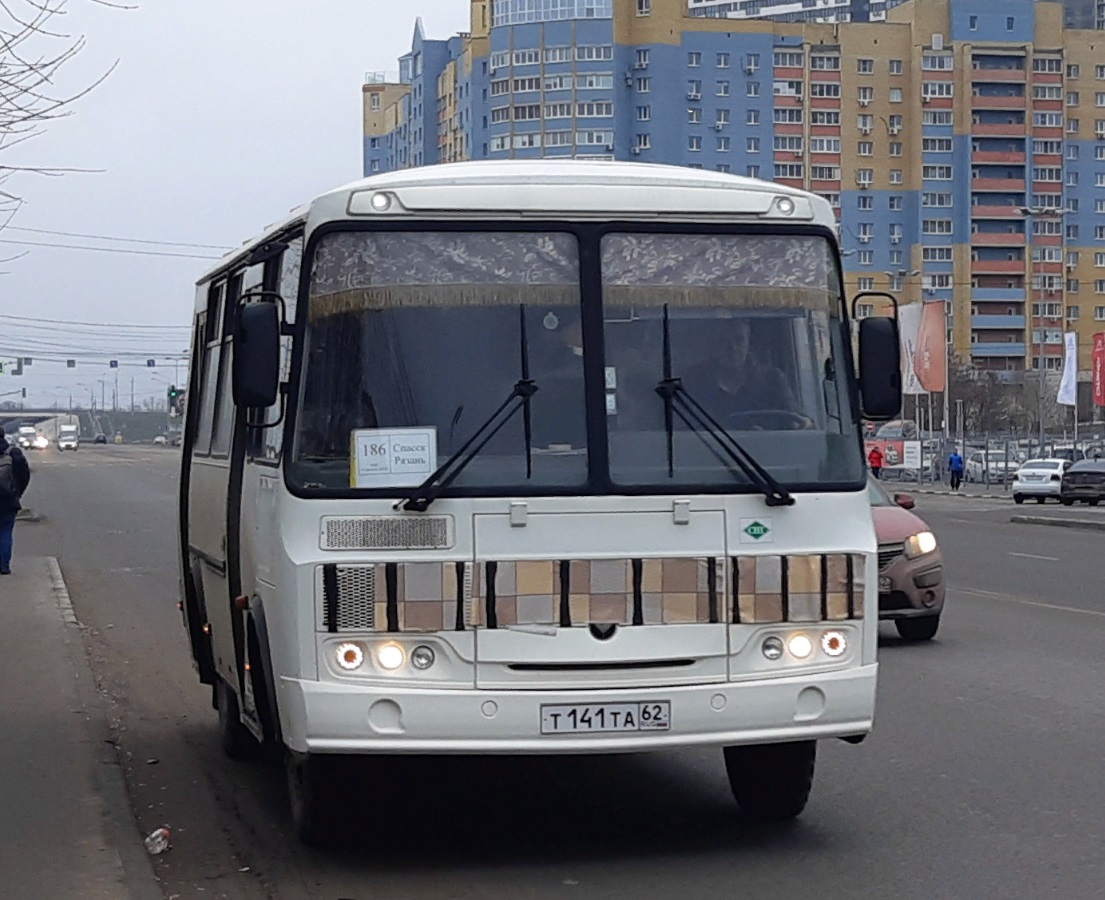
(644, 85)
(752, 145)
(788, 59)
(972, 23)
(694, 116)
(866, 257)
(694, 59)
(643, 141)
(895, 67)
(1073, 284)
(1073, 71)
(895, 95)
(897, 176)
(644, 7)
(644, 113)
(722, 117)
(723, 60)
(752, 117)
(722, 89)
(752, 89)
(789, 170)
(895, 148)
(824, 63)
(694, 143)
(1009, 22)
(865, 148)
(752, 171)
(865, 66)
(723, 144)
(867, 284)
(865, 201)
(865, 95)
(896, 203)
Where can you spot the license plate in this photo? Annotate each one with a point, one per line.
(884, 584)
(652, 715)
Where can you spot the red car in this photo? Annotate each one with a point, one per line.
(911, 568)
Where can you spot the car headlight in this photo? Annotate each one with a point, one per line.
(919, 544)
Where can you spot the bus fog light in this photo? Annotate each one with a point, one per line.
(834, 643)
(380, 202)
(800, 646)
(785, 206)
(772, 647)
(422, 657)
(389, 656)
(350, 656)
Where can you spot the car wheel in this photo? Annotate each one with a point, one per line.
(1066, 501)
(771, 782)
(1017, 498)
(921, 629)
(1092, 502)
(1040, 499)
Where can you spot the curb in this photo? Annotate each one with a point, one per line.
(962, 494)
(122, 830)
(1086, 524)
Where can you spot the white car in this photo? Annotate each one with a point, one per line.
(161, 440)
(1039, 478)
(992, 470)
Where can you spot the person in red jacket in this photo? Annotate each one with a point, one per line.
(874, 459)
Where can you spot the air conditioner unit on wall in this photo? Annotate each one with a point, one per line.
(864, 102)
(865, 239)
(865, 131)
(636, 151)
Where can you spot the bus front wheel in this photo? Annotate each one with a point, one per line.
(771, 782)
(307, 793)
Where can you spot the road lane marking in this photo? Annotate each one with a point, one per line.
(994, 595)
(1034, 556)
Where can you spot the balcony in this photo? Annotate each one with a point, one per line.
(999, 156)
(1006, 295)
(984, 321)
(997, 239)
(984, 76)
(997, 349)
(979, 101)
(981, 211)
(1001, 129)
(997, 267)
(997, 184)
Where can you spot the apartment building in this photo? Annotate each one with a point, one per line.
(961, 141)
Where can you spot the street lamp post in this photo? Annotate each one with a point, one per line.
(1031, 214)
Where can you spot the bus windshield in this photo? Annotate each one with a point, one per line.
(434, 330)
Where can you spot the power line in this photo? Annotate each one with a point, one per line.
(104, 237)
(107, 249)
(92, 324)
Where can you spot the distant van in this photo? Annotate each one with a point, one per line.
(69, 437)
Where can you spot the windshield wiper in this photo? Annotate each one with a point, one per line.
(421, 497)
(678, 402)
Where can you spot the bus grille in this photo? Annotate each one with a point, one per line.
(455, 596)
(386, 533)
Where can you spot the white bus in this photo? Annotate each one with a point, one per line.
(536, 457)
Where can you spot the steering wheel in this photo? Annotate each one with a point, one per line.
(769, 420)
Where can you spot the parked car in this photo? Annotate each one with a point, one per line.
(1039, 479)
(911, 567)
(992, 470)
(1084, 482)
(161, 440)
(100, 438)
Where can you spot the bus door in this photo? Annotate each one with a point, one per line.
(211, 544)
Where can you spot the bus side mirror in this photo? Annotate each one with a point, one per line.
(257, 355)
(880, 372)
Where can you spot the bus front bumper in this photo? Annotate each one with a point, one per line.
(328, 717)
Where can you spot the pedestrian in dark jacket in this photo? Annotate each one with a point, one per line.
(15, 475)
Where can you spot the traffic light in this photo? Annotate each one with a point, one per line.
(176, 400)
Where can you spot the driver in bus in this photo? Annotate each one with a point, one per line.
(739, 386)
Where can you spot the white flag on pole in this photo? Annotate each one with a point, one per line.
(1068, 386)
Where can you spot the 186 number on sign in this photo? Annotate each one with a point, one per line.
(653, 715)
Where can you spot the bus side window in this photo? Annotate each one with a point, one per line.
(286, 282)
(223, 401)
(209, 369)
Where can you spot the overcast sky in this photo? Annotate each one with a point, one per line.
(219, 117)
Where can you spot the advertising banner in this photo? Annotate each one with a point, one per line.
(924, 347)
(1099, 369)
(1068, 386)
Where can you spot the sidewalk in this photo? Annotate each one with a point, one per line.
(66, 830)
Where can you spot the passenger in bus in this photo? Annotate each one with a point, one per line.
(739, 385)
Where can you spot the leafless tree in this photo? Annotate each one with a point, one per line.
(34, 49)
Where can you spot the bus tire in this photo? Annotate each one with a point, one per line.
(771, 782)
(237, 742)
(307, 797)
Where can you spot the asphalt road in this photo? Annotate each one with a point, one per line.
(981, 779)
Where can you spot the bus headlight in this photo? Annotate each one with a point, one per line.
(800, 646)
(350, 656)
(919, 544)
(389, 657)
